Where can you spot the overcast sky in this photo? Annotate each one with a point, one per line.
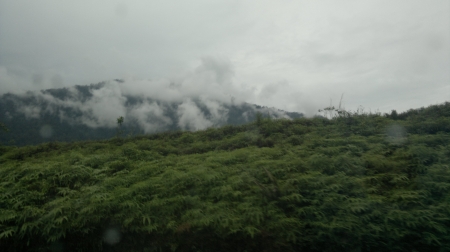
(290, 54)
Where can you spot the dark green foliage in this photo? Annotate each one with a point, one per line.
(341, 184)
(119, 130)
(3, 127)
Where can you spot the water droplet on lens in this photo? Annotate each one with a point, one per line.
(395, 134)
(46, 131)
(111, 236)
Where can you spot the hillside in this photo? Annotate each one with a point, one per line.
(356, 182)
(90, 112)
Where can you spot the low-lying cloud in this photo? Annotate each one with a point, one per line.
(149, 116)
(199, 100)
(191, 117)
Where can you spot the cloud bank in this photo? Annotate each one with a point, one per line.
(200, 100)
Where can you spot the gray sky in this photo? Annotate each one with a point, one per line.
(293, 55)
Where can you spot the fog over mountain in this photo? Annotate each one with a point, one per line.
(91, 112)
(206, 58)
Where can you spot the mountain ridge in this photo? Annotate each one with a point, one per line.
(89, 112)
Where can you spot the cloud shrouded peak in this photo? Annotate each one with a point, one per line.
(199, 99)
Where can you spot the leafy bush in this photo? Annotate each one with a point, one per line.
(276, 185)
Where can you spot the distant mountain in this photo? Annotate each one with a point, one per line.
(90, 113)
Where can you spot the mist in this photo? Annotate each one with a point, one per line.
(294, 55)
(201, 99)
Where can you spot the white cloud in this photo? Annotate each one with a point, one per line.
(240, 49)
(218, 113)
(149, 116)
(31, 112)
(191, 117)
(101, 110)
(106, 105)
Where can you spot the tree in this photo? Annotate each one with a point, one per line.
(3, 127)
(394, 115)
(120, 121)
(259, 119)
(119, 126)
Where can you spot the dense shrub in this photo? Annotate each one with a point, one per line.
(277, 185)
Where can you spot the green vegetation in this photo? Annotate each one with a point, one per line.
(356, 182)
(119, 132)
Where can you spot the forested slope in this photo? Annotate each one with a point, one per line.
(356, 182)
(82, 113)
